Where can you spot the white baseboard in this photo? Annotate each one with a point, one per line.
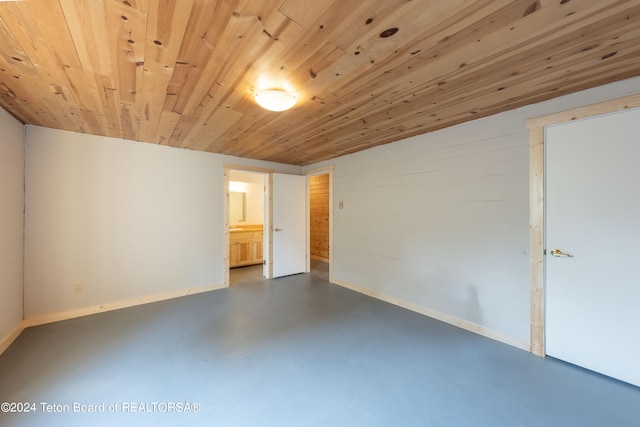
(452, 320)
(86, 311)
(11, 337)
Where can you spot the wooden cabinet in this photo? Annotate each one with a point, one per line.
(245, 246)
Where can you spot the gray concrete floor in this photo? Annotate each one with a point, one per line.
(295, 351)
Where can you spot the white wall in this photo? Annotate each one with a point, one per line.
(255, 204)
(439, 222)
(11, 224)
(125, 220)
(254, 184)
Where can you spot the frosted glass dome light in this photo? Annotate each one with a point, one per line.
(275, 99)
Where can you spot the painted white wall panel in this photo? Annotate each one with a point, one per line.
(255, 203)
(254, 186)
(441, 220)
(123, 219)
(11, 222)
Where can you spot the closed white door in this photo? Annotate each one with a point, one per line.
(289, 225)
(593, 244)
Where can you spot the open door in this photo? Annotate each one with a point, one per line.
(289, 225)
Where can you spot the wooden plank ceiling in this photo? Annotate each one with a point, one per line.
(184, 72)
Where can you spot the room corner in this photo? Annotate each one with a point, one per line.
(11, 229)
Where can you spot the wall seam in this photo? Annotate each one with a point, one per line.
(24, 217)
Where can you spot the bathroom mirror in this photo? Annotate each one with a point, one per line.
(237, 206)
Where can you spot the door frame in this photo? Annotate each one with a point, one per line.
(324, 170)
(537, 205)
(268, 226)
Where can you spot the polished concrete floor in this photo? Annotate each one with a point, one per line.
(295, 351)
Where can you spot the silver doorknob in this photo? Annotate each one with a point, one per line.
(559, 253)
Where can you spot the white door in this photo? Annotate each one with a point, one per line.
(289, 225)
(593, 214)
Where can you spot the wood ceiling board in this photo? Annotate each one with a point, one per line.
(183, 73)
(155, 78)
(18, 108)
(129, 121)
(14, 56)
(52, 25)
(206, 26)
(127, 42)
(166, 29)
(107, 99)
(166, 126)
(89, 32)
(232, 37)
(305, 12)
(215, 126)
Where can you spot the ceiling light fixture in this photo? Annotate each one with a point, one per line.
(275, 99)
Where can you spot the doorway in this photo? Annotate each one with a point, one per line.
(283, 231)
(319, 219)
(246, 224)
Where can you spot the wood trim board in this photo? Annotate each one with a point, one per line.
(632, 101)
(268, 233)
(226, 225)
(246, 168)
(8, 339)
(536, 238)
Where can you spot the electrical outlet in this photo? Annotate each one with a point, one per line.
(77, 287)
